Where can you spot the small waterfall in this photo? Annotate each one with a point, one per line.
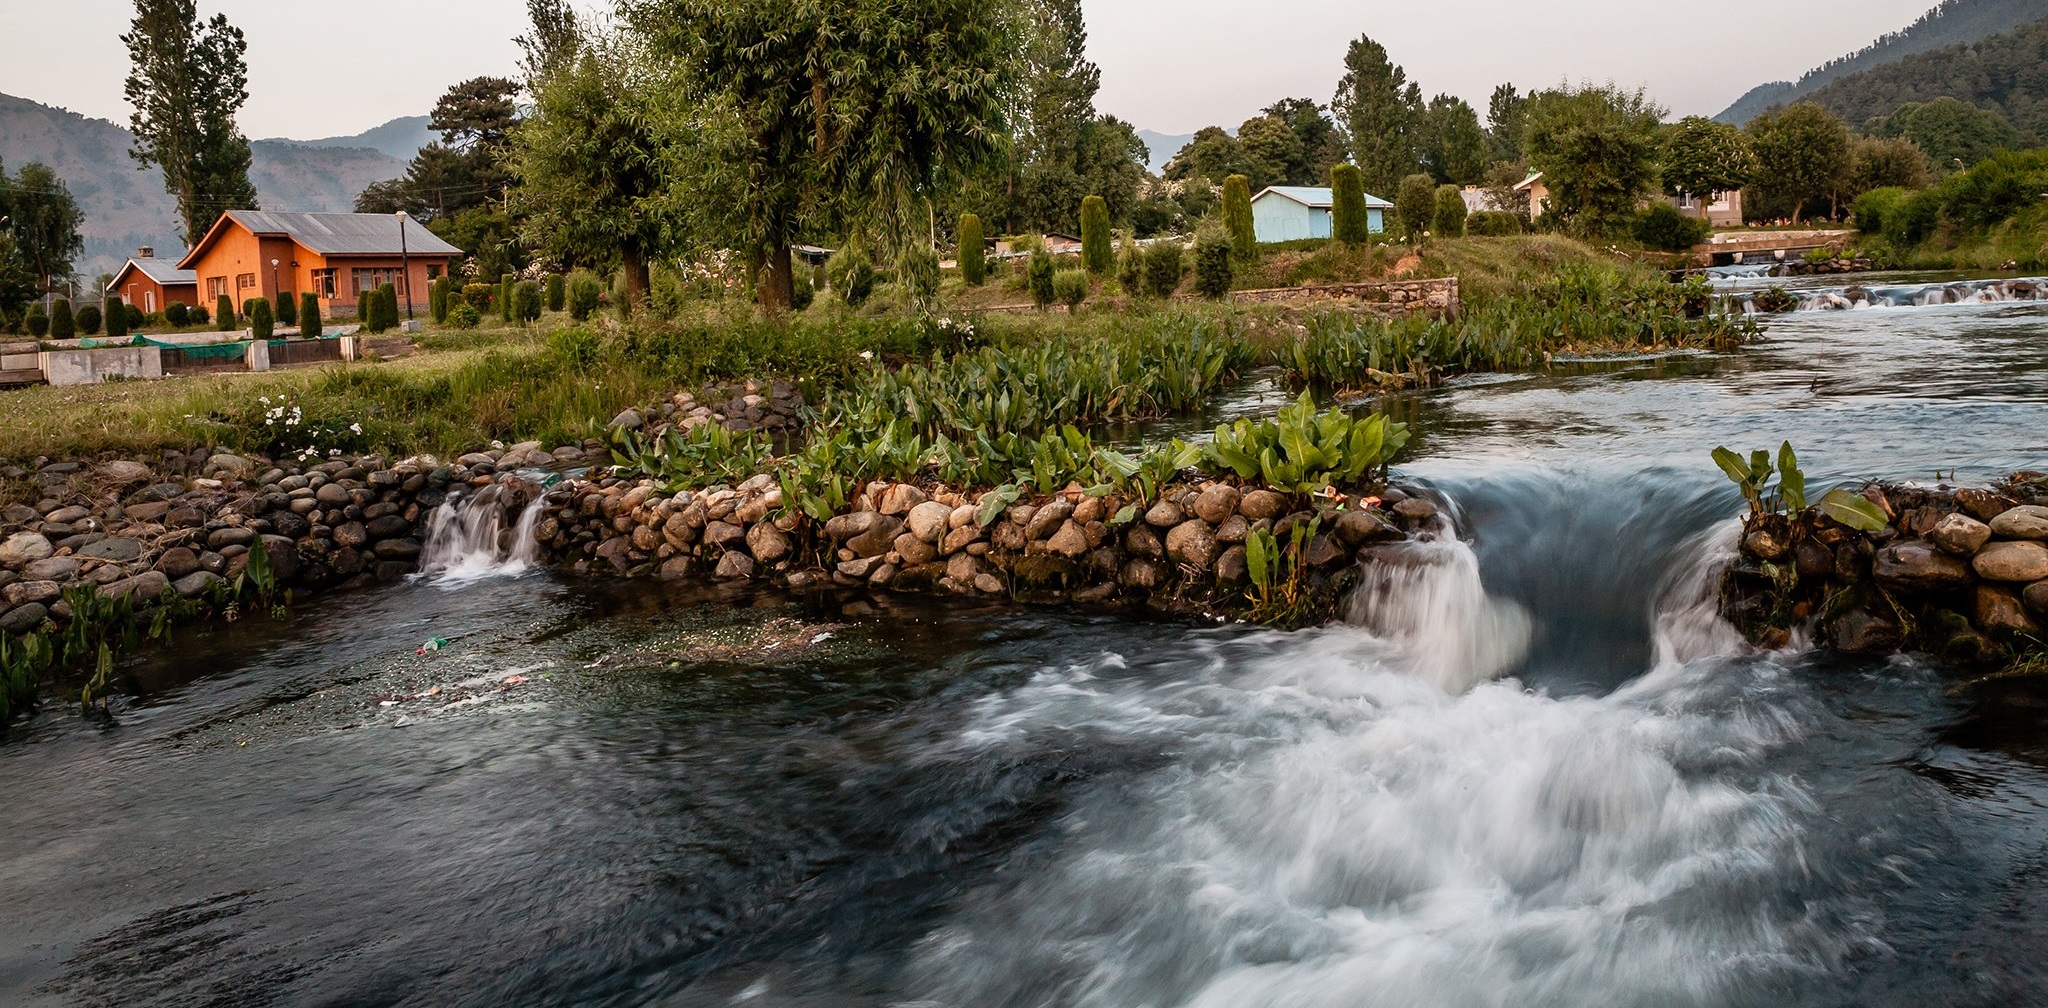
(470, 539)
(1689, 626)
(1860, 297)
(1425, 596)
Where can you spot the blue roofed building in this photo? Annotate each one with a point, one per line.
(1291, 213)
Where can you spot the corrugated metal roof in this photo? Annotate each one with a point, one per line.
(346, 233)
(165, 271)
(1319, 198)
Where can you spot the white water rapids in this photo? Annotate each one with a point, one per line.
(470, 539)
(1348, 819)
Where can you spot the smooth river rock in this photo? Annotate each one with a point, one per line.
(1918, 566)
(2036, 597)
(2029, 522)
(2000, 611)
(24, 548)
(2013, 561)
(22, 619)
(1960, 534)
(929, 521)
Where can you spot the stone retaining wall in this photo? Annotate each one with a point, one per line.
(1960, 573)
(1438, 298)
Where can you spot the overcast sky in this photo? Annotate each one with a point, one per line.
(324, 69)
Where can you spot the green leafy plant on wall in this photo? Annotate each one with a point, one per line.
(1753, 477)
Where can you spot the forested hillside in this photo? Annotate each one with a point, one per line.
(2007, 74)
(125, 206)
(1952, 22)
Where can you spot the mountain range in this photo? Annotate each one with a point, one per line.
(125, 205)
(1952, 22)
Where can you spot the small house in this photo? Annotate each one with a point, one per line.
(152, 284)
(1537, 193)
(1292, 213)
(336, 256)
(1724, 209)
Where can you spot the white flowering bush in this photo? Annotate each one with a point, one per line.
(283, 429)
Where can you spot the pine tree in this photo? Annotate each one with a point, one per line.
(309, 315)
(1350, 221)
(1097, 253)
(186, 82)
(1237, 220)
(224, 313)
(116, 317)
(973, 263)
(1380, 107)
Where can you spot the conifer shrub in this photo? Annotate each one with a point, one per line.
(309, 315)
(387, 306)
(1237, 220)
(505, 283)
(437, 300)
(89, 320)
(62, 325)
(117, 317)
(557, 292)
(1130, 266)
(1164, 265)
(463, 316)
(178, 314)
(261, 322)
(478, 296)
(583, 295)
(1038, 277)
(224, 313)
(1098, 256)
(1350, 222)
(38, 323)
(802, 288)
(287, 309)
(365, 307)
(199, 315)
(135, 318)
(1214, 273)
(973, 260)
(526, 301)
(851, 274)
(1449, 219)
(1415, 204)
(1070, 287)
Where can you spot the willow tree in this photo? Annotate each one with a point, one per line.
(856, 110)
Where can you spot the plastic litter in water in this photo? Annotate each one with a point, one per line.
(432, 645)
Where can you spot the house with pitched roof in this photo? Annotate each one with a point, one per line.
(152, 283)
(1292, 213)
(336, 256)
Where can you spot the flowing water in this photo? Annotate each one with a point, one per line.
(1534, 769)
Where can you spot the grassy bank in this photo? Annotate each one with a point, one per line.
(1024, 374)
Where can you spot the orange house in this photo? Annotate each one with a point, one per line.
(151, 284)
(254, 253)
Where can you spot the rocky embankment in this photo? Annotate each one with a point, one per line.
(1185, 550)
(1960, 573)
(182, 523)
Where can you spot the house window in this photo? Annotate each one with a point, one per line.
(323, 282)
(216, 286)
(374, 277)
(433, 272)
(244, 282)
(149, 302)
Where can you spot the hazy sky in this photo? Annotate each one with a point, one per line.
(328, 69)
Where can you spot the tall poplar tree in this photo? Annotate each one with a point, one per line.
(1381, 108)
(186, 81)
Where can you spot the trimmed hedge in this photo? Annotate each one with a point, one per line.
(973, 261)
(117, 317)
(309, 315)
(224, 313)
(261, 322)
(1098, 256)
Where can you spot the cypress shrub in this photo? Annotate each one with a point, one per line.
(1130, 266)
(62, 325)
(364, 301)
(583, 292)
(505, 283)
(224, 313)
(198, 315)
(1415, 204)
(1163, 267)
(309, 315)
(1070, 287)
(1664, 228)
(1214, 250)
(437, 300)
(1494, 223)
(135, 318)
(386, 307)
(261, 322)
(287, 308)
(89, 320)
(1449, 219)
(1097, 254)
(973, 263)
(117, 317)
(462, 316)
(1039, 277)
(557, 292)
(526, 301)
(1237, 221)
(178, 314)
(1350, 223)
(37, 322)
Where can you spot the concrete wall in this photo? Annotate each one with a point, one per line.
(88, 367)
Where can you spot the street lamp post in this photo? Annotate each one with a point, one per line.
(405, 265)
(276, 292)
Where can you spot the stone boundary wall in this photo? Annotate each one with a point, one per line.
(1959, 573)
(1438, 298)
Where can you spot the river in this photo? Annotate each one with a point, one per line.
(1550, 778)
